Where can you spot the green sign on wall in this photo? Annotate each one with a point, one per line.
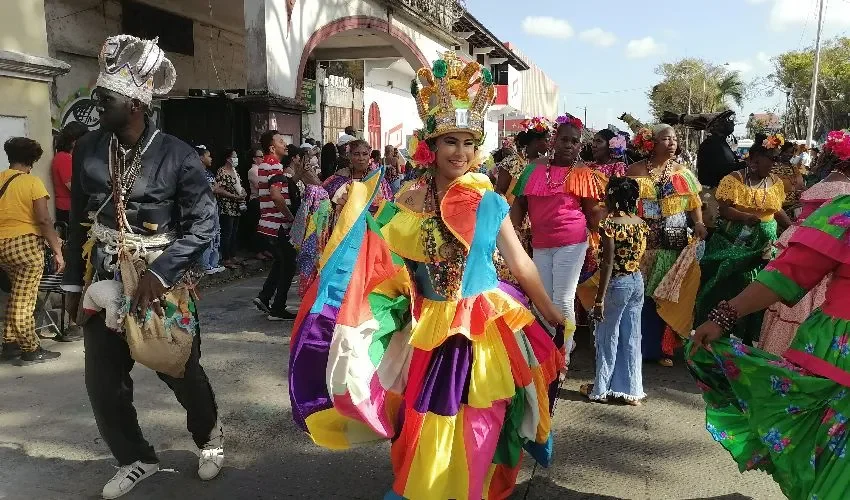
(308, 94)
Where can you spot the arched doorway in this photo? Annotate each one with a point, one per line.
(375, 126)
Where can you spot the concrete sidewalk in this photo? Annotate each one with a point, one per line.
(50, 447)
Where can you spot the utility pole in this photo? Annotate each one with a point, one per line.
(811, 130)
(585, 116)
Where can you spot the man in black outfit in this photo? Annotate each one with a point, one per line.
(169, 209)
(715, 160)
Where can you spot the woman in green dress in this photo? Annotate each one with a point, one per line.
(750, 212)
(787, 415)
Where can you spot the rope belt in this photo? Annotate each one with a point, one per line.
(139, 245)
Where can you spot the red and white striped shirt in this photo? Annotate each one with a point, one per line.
(270, 217)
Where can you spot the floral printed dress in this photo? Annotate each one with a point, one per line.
(788, 415)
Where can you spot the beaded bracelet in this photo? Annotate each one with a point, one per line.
(724, 315)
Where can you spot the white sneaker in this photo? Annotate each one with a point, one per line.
(212, 454)
(128, 477)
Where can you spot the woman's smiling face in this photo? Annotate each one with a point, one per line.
(455, 154)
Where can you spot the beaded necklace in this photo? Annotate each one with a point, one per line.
(661, 175)
(761, 185)
(563, 181)
(447, 260)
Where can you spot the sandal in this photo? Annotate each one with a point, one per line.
(631, 402)
(667, 362)
(586, 389)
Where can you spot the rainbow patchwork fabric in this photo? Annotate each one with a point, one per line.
(460, 386)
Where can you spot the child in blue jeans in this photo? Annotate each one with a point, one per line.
(619, 299)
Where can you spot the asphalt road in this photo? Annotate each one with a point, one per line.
(50, 447)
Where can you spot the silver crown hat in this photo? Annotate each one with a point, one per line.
(135, 68)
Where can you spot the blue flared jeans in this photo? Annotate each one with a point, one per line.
(618, 357)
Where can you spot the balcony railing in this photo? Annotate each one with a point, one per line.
(441, 14)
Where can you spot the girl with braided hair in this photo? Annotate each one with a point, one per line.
(618, 334)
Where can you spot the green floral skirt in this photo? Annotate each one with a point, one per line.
(774, 416)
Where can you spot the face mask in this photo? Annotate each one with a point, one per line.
(234, 161)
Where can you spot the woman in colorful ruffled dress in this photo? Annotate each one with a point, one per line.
(530, 143)
(750, 203)
(606, 160)
(782, 321)
(407, 335)
(792, 178)
(320, 208)
(669, 196)
(787, 415)
(561, 198)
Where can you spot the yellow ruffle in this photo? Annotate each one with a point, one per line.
(435, 321)
(679, 203)
(404, 234)
(646, 188)
(739, 195)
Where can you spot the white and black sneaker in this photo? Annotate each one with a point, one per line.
(211, 456)
(127, 477)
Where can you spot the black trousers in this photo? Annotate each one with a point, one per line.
(229, 235)
(63, 215)
(281, 274)
(110, 389)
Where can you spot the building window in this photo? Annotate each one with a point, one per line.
(175, 32)
(375, 126)
(500, 73)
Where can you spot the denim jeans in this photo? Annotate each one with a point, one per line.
(559, 269)
(210, 257)
(618, 359)
(229, 235)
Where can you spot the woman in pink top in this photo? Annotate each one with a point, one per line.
(781, 321)
(561, 199)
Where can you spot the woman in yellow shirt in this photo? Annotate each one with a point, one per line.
(750, 213)
(25, 223)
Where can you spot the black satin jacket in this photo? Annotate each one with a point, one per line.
(171, 193)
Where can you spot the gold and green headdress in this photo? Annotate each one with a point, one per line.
(453, 97)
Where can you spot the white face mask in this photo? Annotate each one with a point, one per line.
(234, 161)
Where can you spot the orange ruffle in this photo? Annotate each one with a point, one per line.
(583, 183)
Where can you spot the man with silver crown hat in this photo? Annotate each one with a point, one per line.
(147, 198)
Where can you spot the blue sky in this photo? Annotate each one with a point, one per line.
(603, 55)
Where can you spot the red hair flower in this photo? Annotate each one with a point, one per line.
(423, 155)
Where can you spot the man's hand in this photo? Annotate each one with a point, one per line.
(148, 294)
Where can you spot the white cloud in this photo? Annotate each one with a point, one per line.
(546, 26)
(643, 47)
(598, 36)
(795, 14)
(740, 66)
(763, 58)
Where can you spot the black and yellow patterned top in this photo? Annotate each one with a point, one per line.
(629, 245)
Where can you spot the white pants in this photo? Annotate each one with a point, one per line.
(559, 270)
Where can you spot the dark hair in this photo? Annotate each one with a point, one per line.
(292, 152)
(758, 149)
(622, 194)
(358, 143)
(376, 155)
(328, 160)
(69, 135)
(201, 150)
(607, 134)
(267, 139)
(526, 137)
(22, 150)
(350, 130)
(225, 154)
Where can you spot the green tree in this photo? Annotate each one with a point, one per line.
(793, 75)
(697, 85)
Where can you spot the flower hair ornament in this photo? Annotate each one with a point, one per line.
(617, 145)
(569, 119)
(643, 141)
(538, 124)
(773, 141)
(838, 144)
